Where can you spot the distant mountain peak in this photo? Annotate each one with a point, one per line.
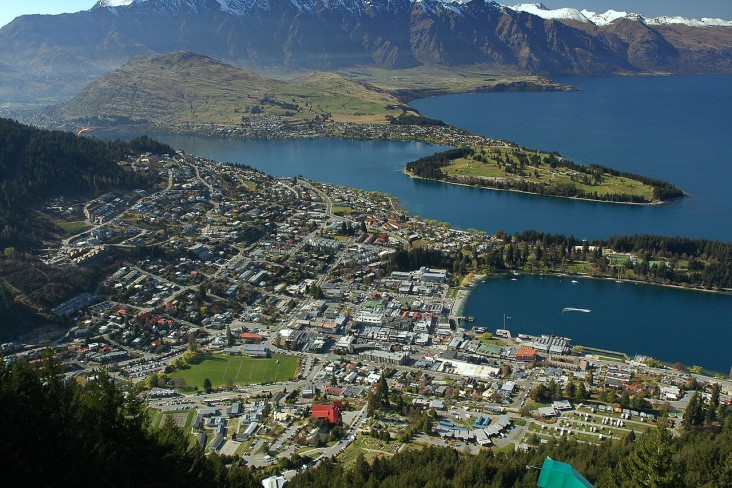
(607, 18)
(116, 3)
(62, 53)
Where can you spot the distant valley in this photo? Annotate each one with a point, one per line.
(57, 56)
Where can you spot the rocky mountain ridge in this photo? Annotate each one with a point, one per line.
(65, 52)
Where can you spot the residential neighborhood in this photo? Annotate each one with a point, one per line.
(273, 314)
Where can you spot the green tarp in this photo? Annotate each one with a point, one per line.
(560, 475)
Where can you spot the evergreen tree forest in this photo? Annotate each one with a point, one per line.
(37, 164)
(58, 432)
(699, 263)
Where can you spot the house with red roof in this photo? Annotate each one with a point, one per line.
(331, 412)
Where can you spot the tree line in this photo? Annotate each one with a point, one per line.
(36, 164)
(701, 263)
(57, 431)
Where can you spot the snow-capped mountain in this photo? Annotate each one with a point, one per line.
(359, 7)
(602, 19)
(703, 22)
(540, 10)
(69, 50)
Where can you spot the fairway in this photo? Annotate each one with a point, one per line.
(513, 165)
(220, 368)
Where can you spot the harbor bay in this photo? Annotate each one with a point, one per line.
(657, 331)
(672, 325)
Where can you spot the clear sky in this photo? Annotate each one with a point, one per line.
(9, 9)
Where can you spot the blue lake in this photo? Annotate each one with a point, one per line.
(669, 324)
(675, 128)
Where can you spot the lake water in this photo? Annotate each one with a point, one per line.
(673, 128)
(677, 130)
(669, 324)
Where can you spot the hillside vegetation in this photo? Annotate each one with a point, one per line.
(36, 165)
(186, 89)
(513, 168)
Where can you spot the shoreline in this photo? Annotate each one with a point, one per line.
(597, 349)
(537, 194)
(723, 292)
(463, 294)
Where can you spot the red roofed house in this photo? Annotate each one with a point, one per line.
(330, 412)
(526, 354)
(251, 337)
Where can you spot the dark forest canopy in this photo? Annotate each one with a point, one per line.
(37, 164)
(58, 432)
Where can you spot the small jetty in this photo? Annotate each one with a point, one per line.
(572, 309)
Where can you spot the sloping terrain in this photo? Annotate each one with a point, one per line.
(186, 88)
(67, 51)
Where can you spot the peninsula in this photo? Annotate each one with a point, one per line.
(190, 93)
(510, 167)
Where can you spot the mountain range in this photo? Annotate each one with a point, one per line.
(58, 55)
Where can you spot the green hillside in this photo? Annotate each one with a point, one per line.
(184, 89)
(36, 165)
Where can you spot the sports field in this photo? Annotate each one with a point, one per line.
(241, 370)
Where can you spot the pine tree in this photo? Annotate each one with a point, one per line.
(650, 464)
(694, 414)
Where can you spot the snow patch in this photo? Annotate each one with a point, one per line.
(357, 7)
(540, 10)
(703, 22)
(600, 19)
(116, 3)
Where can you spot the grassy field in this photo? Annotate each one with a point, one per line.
(342, 210)
(183, 88)
(488, 167)
(72, 228)
(220, 368)
(423, 81)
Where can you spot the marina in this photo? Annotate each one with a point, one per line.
(639, 319)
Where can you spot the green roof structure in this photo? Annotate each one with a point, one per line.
(555, 474)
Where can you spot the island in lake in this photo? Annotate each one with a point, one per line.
(505, 166)
(190, 93)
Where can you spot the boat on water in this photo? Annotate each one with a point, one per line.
(575, 281)
(572, 309)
